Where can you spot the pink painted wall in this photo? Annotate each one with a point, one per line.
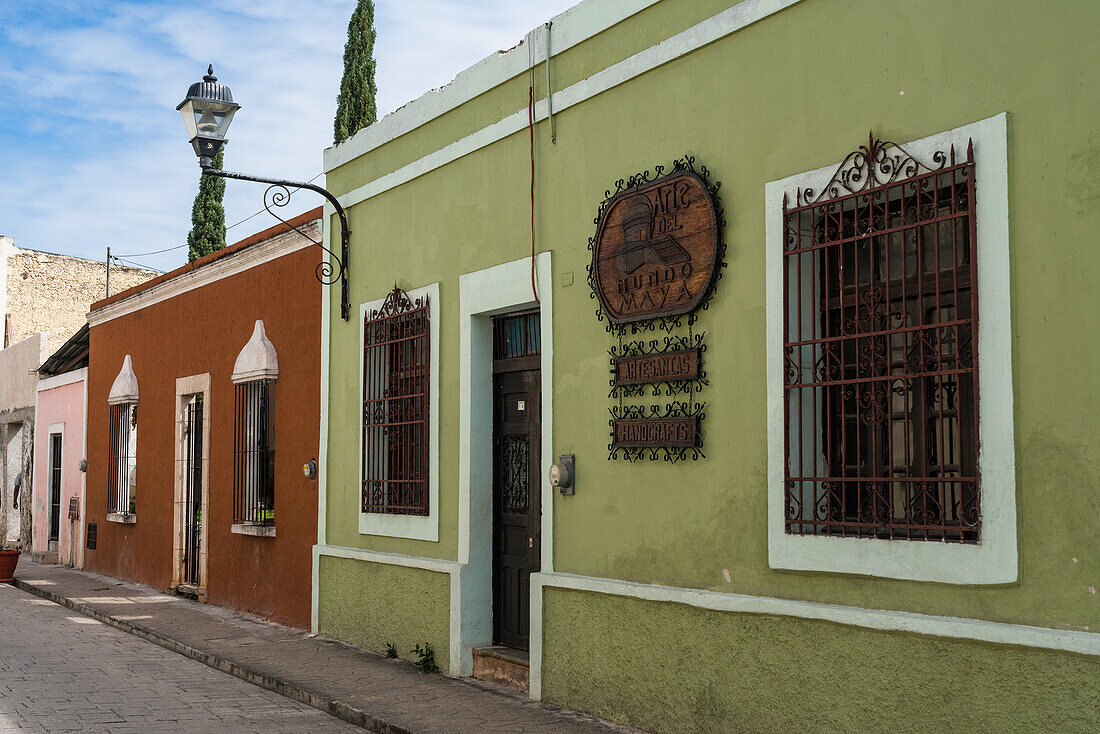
(58, 405)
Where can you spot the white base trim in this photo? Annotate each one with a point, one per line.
(124, 518)
(1084, 643)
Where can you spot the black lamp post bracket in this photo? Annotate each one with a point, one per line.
(278, 195)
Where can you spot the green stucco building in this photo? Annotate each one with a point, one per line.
(884, 515)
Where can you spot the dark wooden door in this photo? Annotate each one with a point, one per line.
(517, 509)
(55, 486)
(192, 508)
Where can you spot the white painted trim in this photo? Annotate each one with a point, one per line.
(65, 378)
(186, 387)
(124, 390)
(408, 526)
(126, 518)
(570, 28)
(683, 43)
(51, 429)
(257, 359)
(259, 531)
(322, 443)
(249, 257)
(1001, 633)
(484, 293)
(994, 560)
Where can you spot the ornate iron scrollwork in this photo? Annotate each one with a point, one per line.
(670, 384)
(669, 419)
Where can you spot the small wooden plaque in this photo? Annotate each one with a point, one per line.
(656, 432)
(661, 367)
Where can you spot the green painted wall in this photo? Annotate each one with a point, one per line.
(791, 93)
(704, 671)
(357, 603)
(769, 115)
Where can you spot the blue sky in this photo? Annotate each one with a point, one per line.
(95, 154)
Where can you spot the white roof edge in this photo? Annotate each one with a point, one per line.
(570, 28)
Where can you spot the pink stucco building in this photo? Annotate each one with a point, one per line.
(60, 442)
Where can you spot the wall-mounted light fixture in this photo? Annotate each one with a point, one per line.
(310, 469)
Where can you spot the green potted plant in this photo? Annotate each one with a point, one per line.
(8, 558)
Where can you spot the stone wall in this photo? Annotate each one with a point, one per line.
(51, 293)
(17, 393)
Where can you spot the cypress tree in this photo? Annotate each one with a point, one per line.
(355, 104)
(207, 216)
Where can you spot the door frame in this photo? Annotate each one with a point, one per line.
(185, 388)
(55, 429)
(483, 294)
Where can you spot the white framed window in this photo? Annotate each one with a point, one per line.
(122, 445)
(254, 375)
(856, 473)
(399, 418)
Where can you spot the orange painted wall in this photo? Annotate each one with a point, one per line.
(196, 332)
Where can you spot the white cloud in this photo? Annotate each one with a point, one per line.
(104, 158)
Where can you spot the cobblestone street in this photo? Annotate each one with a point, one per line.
(61, 671)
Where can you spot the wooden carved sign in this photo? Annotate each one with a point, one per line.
(657, 247)
(655, 432)
(659, 367)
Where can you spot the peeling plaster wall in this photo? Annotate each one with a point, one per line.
(17, 393)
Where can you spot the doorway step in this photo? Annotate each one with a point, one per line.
(45, 558)
(500, 664)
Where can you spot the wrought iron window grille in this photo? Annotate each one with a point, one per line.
(254, 454)
(396, 351)
(880, 351)
(122, 459)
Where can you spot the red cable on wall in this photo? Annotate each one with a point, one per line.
(531, 129)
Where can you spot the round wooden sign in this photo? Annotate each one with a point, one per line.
(656, 250)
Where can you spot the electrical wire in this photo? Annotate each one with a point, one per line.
(231, 226)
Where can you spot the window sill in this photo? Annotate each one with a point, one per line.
(260, 531)
(125, 518)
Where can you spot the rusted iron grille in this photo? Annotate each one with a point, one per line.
(517, 335)
(395, 406)
(254, 459)
(881, 365)
(123, 424)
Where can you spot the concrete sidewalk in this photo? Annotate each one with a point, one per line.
(361, 687)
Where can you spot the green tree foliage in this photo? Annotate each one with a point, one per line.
(207, 216)
(355, 107)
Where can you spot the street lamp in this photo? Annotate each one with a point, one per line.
(207, 111)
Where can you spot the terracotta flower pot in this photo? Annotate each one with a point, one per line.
(8, 561)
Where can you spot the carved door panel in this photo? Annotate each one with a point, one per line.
(517, 470)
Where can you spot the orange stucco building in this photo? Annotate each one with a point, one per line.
(203, 405)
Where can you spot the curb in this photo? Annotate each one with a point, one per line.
(331, 706)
